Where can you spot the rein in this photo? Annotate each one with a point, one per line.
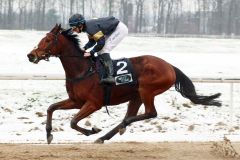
(89, 72)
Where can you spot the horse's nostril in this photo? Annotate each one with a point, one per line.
(30, 56)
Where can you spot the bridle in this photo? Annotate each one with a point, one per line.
(47, 50)
(48, 53)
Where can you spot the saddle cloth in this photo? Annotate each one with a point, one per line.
(123, 72)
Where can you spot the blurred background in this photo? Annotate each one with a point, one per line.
(197, 17)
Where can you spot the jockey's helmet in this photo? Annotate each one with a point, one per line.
(76, 20)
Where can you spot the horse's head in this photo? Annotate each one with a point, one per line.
(47, 47)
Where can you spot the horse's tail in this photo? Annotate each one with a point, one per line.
(185, 86)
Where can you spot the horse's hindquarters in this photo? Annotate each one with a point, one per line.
(155, 75)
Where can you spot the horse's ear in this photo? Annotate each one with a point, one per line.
(56, 26)
(59, 28)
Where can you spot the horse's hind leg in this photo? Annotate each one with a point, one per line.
(150, 111)
(66, 104)
(133, 108)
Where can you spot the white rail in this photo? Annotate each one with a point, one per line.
(32, 77)
(62, 77)
(216, 80)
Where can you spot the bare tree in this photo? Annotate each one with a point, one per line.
(230, 17)
(92, 8)
(219, 17)
(83, 7)
(168, 16)
(37, 14)
(126, 14)
(136, 18)
(160, 17)
(237, 17)
(124, 11)
(29, 19)
(110, 7)
(139, 16)
(204, 16)
(71, 6)
(178, 12)
(21, 18)
(43, 12)
(10, 18)
(1, 13)
(79, 7)
(198, 16)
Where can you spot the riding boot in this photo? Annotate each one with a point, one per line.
(107, 62)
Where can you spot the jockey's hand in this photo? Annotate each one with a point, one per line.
(87, 54)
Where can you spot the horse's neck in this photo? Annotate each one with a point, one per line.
(73, 65)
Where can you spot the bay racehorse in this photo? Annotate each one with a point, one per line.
(154, 76)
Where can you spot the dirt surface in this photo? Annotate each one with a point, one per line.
(112, 151)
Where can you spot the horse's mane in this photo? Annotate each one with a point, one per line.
(71, 37)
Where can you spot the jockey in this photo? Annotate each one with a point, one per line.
(104, 34)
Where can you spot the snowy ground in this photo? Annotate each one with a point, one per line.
(23, 104)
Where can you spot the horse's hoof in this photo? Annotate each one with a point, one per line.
(122, 130)
(99, 141)
(49, 138)
(96, 130)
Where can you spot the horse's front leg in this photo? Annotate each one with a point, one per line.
(66, 104)
(87, 109)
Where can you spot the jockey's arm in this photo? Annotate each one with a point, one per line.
(99, 46)
(99, 38)
(91, 42)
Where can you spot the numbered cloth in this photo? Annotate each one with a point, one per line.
(123, 72)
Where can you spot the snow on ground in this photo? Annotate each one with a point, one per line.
(23, 104)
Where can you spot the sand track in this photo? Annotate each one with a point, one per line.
(112, 151)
